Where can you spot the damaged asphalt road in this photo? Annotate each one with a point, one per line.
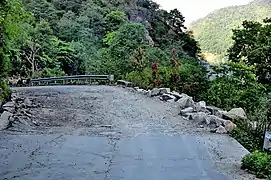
(111, 133)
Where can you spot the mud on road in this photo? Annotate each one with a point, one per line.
(107, 132)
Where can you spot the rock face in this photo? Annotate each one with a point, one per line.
(4, 119)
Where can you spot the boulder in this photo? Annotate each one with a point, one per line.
(167, 97)
(215, 121)
(164, 91)
(4, 119)
(201, 118)
(229, 126)
(176, 94)
(236, 113)
(200, 106)
(215, 111)
(186, 101)
(186, 110)
(154, 92)
(221, 130)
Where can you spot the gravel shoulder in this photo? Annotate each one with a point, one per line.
(117, 113)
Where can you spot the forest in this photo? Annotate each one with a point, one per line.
(214, 31)
(138, 41)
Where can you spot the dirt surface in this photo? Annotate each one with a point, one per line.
(107, 132)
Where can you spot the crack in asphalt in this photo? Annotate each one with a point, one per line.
(113, 142)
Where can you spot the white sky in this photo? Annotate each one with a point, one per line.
(195, 9)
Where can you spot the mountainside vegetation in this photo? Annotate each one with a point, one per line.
(51, 38)
(214, 32)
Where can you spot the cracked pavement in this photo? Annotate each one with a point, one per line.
(112, 133)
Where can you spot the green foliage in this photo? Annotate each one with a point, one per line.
(214, 32)
(258, 162)
(250, 138)
(115, 19)
(236, 87)
(141, 79)
(252, 45)
(120, 47)
(5, 92)
(193, 78)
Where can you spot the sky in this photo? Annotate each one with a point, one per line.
(195, 9)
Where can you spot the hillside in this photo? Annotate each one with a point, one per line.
(215, 30)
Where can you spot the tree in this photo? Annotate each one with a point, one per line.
(120, 45)
(115, 19)
(15, 23)
(252, 45)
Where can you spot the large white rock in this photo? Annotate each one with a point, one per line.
(4, 119)
(186, 101)
(236, 113)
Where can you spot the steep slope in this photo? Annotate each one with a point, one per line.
(215, 30)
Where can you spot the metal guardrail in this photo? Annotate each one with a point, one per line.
(65, 79)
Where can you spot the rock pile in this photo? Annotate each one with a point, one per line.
(17, 111)
(216, 119)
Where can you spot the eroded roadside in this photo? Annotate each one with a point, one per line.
(63, 117)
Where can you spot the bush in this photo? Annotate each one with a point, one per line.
(251, 139)
(5, 92)
(140, 79)
(258, 162)
(236, 87)
(193, 79)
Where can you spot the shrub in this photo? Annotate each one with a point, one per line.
(193, 79)
(141, 79)
(258, 162)
(236, 87)
(4, 91)
(251, 139)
